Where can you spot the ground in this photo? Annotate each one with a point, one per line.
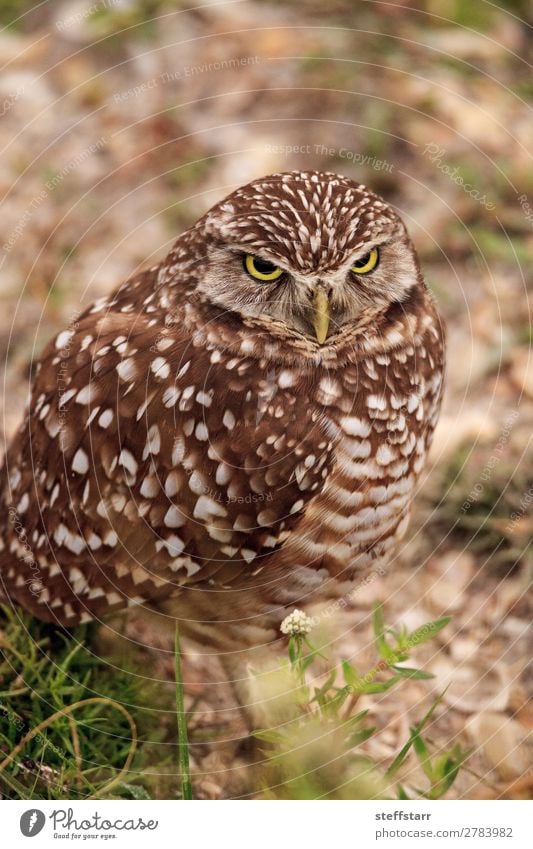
(122, 122)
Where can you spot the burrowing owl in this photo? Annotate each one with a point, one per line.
(238, 429)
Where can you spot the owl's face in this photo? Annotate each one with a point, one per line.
(307, 256)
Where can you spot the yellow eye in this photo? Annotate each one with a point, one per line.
(261, 269)
(366, 263)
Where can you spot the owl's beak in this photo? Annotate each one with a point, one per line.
(321, 315)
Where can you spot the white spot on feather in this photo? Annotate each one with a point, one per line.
(106, 418)
(172, 484)
(376, 402)
(110, 538)
(24, 503)
(150, 487)
(85, 395)
(80, 463)
(153, 442)
(64, 338)
(228, 420)
(128, 461)
(160, 368)
(174, 518)
(127, 369)
(201, 432)
(94, 542)
(354, 426)
(207, 507)
(170, 396)
(178, 450)
(205, 398)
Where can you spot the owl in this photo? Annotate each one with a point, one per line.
(236, 431)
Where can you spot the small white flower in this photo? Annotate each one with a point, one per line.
(296, 623)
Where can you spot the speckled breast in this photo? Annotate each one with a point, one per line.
(379, 414)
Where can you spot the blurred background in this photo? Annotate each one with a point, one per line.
(121, 122)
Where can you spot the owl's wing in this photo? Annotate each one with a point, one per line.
(152, 457)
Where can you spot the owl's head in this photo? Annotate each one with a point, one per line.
(310, 258)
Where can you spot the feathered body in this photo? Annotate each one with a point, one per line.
(190, 442)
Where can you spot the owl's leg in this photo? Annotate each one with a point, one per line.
(244, 654)
(261, 693)
(239, 676)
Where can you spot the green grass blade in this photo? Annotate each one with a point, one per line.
(407, 672)
(183, 743)
(427, 632)
(398, 761)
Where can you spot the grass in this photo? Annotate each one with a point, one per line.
(142, 16)
(183, 742)
(66, 731)
(71, 727)
(12, 12)
(319, 747)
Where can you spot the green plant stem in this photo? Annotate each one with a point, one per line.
(183, 743)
